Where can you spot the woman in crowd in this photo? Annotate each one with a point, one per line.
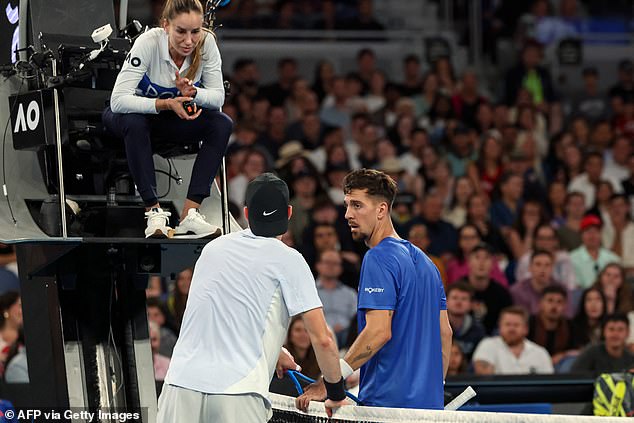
(586, 325)
(520, 237)
(177, 301)
(478, 215)
(488, 169)
(617, 292)
(456, 214)
(10, 323)
(298, 344)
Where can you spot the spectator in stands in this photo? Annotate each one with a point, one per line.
(550, 328)
(611, 355)
(461, 150)
(557, 203)
(424, 100)
(324, 77)
(8, 269)
(457, 361)
(504, 212)
(624, 89)
(412, 78)
(441, 182)
(487, 170)
(615, 289)
(545, 238)
(275, 135)
(298, 344)
(339, 300)
(278, 92)
(364, 21)
(467, 99)
(521, 236)
(245, 77)
(588, 181)
(477, 215)
(604, 193)
(591, 311)
(527, 293)
(155, 288)
(336, 109)
(467, 331)
(531, 75)
(17, 366)
(489, 297)
(456, 213)
(442, 236)
(458, 267)
(569, 232)
(254, 164)
(443, 68)
(177, 301)
(417, 235)
(161, 363)
(157, 312)
(412, 158)
(619, 236)
(591, 103)
(402, 211)
(306, 186)
(10, 323)
(572, 163)
(511, 352)
(616, 163)
(591, 257)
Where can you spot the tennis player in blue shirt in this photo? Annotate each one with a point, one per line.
(404, 337)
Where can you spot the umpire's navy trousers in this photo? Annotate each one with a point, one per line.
(138, 131)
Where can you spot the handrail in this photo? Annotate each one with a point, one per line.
(273, 34)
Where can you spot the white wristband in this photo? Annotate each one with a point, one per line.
(346, 370)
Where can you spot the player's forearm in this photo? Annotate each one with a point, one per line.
(327, 356)
(446, 336)
(367, 344)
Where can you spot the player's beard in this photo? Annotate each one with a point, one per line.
(358, 236)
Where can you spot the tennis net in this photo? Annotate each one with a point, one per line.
(284, 411)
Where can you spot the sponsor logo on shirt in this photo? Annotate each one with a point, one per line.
(373, 290)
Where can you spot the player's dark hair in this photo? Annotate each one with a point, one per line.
(374, 182)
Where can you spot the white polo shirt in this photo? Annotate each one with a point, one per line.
(244, 290)
(149, 73)
(533, 359)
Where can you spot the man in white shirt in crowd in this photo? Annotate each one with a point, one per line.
(339, 300)
(246, 287)
(511, 352)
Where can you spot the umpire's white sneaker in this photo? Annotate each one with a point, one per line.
(157, 223)
(195, 226)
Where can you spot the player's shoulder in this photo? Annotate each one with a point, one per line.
(149, 37)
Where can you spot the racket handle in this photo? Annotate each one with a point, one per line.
(461, 399)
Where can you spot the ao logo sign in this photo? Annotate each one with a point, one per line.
(31, 118)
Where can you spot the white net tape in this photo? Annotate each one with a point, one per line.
(284, 411)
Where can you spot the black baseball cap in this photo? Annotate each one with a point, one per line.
(267, 200)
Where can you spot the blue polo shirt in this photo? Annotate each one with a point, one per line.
(407, 371)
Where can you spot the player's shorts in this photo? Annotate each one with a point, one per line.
(176, 405)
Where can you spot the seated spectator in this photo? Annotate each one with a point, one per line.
(461, 150)
(619, 236)
(590, 258)
(157, 313)
(456, 213)
(504, 211)
(556, 203)
(298, 344)
(611, 355)
(545, 238)
(586, 324)
(418, 236)
(339, 300)
(467, 332)
(441, 234)
(587, 182)
(550, 328)
(10, 323)
(161, 363)
(305, 186)
(591, 103)
(604, 193)
(458, 268)
(8, 269)
(511, 352)
(477, 215)
(569, 232)
(489, 297)
(487, 170)
(615, 289)
(17, 366)
(457, 361)
(178, 299)
(528, 292)
(155, 288)
(628, 183)
(520, 236)
(254, 164)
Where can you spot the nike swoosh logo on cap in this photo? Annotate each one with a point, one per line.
(268, 214)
